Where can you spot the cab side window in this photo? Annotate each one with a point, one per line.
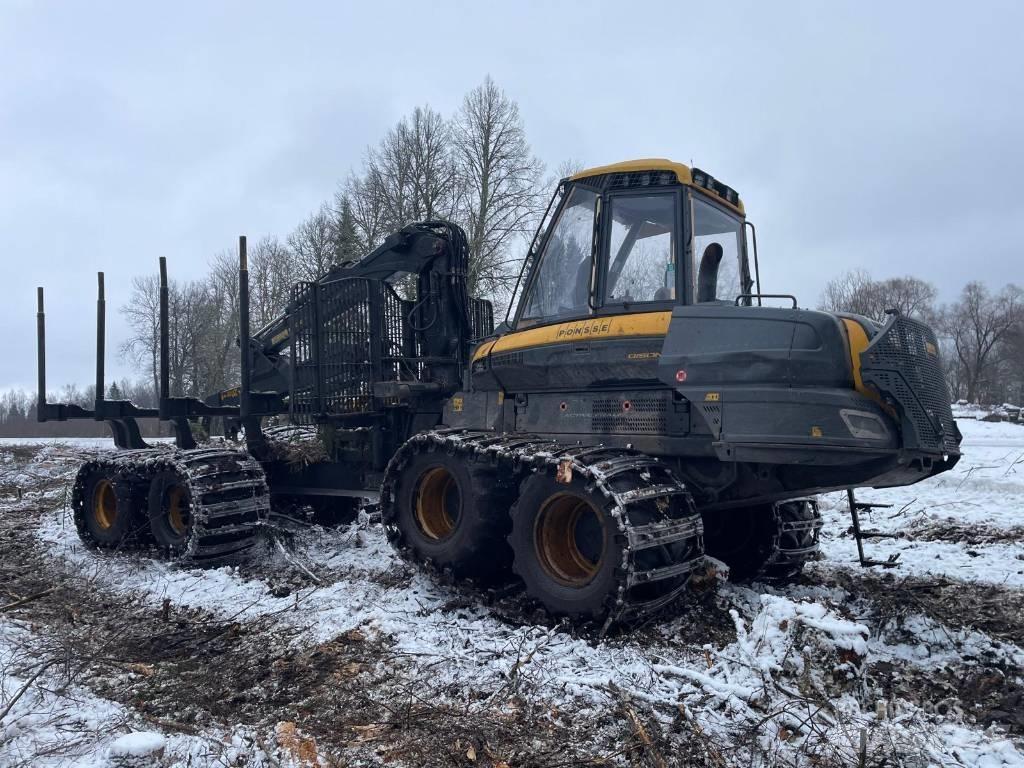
(717, 240)
(561, 286)
(641, 263)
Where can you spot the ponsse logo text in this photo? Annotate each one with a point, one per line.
(583, 329)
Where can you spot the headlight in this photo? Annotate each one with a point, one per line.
(864, 425)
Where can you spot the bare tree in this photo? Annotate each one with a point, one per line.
(366, 204)
(195, 332)
(432, 165)
(977, 326)
(476, 169)
(312, 245)
(142, 312)
(409, 176)
(270, 279)
(501, 179)
(858, 293)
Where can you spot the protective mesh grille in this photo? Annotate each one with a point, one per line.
(903, 361)
(481, 318)
(641, 415)
(345, 334)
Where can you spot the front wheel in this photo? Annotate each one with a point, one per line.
(565, 548)
(581, 552)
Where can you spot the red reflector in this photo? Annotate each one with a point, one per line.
(680, 376)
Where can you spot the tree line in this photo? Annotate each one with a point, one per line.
(980, 333)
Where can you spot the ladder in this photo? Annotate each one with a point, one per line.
(856, 507)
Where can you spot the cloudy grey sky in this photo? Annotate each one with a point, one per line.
(859, 134)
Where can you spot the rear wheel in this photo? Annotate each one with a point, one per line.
(170, 511)
(105, 514)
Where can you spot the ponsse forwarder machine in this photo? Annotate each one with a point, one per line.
(639, 410)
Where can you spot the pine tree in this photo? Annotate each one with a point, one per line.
(346, 240)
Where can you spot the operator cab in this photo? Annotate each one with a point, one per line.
(620, 248)
(636, 237)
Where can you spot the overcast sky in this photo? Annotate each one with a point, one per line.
(880, 135)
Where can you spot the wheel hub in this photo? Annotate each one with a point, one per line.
(438, 503)
(569, 537)
(104, 504)
(178, 514)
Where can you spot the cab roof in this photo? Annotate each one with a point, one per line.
(691, 177)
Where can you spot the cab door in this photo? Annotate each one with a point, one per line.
(596, 308)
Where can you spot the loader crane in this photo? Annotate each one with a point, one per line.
(641, 416)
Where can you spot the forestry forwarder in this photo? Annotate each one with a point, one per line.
(638, 408)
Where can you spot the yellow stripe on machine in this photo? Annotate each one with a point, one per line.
(611, 326)
(858, 343)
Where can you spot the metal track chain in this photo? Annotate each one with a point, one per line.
(795, 541)
(626, 478)
(230, 502)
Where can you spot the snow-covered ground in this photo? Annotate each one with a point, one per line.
(56, 722)
(73, 442)
(791, 679)
(974, 514)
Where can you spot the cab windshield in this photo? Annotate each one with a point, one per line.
(561, 287)
(719, 253)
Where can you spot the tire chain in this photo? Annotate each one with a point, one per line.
(227, 488)
(653, 481)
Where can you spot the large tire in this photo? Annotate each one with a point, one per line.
(170, 512)
(569, 551)
(106, 513)
(448, 513)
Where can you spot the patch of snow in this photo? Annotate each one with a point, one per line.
(138, 743)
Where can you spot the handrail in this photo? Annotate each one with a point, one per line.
(760, 296)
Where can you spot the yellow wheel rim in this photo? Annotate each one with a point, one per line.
(104, 504)
(569, 539)
(177, 510)
(438, 499)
